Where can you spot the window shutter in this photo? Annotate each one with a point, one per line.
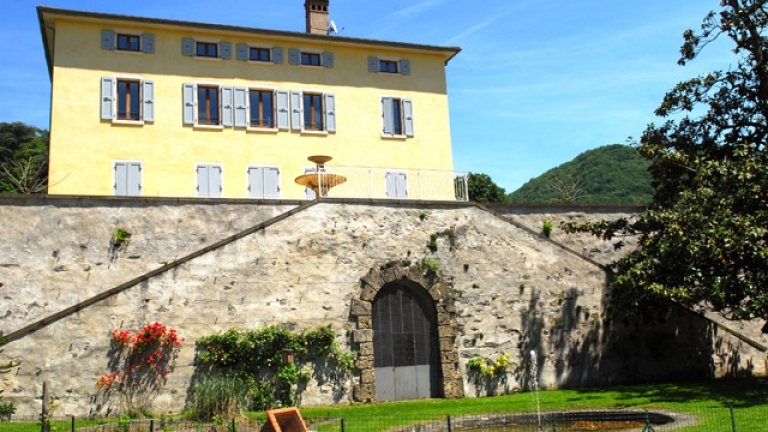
(389, 121)
(187, 46)
(107, 39)
(252, 182)
(294, 56)
(107, 98)
(405, 67)
(390, 185)
(257, 182)
(214, 182)
(330, 112)
(241, 107)
(408, 116)
(189, 103)
(227, 106)
(282, 110)
(373, 64)
(277, 55)
(271, 182)
(241, 51)
(148, 96)
(202, 181)
(121, 179)
(148, 43)
(133, 183)
(225, 50)
(309, 193)
(296, 110)
(328, 59)
(401, 185)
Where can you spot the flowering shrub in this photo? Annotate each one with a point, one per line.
(142, 363)
(489, 368)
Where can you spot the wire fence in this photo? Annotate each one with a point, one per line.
(715, 419)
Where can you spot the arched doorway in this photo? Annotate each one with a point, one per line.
(405, 343)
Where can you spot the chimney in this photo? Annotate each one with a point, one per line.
(317, 16)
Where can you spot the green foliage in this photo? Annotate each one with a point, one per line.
(482, 189)
(120, 236)
(432, 245)
(546, 227)
(489, 368)
(614, 174)
(23, 158)
(257, 356)
(222, 396)
(703, 242)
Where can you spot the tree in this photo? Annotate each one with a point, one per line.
(23, 158)
(703, 241)
(567, 188)
(483, 190)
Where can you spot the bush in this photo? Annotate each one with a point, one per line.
(221, 397)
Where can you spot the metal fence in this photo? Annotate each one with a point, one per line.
(714, 419)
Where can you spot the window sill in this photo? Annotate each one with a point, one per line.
(208, 127)
(259, 62)
(119, 51)
(313, 132)
(312, 66)
(395, 137)
(207, 58)
(128, 122)
(261, 130)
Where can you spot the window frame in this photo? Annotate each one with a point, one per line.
(218, 87)
(389, 62)
(298, 109)
(145, 104)
(262, 90)
(407, 182)
(129, 35)
(206, 44)
(248, 192)
(321, 99)
(118, 102)
(311, 55)
(268, 50)
(400, 102)
(110, 39)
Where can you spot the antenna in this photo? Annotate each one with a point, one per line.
(332, 28)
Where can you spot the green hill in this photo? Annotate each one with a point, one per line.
(613, 174)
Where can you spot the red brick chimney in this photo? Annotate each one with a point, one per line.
(317, 16)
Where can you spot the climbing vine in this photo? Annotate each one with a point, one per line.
(258, 354)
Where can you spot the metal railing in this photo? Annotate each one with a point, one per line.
(744, 418)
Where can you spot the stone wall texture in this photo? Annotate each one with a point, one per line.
(500, 288)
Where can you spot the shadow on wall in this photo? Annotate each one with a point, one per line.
(587, 347)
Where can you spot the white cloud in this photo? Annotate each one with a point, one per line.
(418, 8)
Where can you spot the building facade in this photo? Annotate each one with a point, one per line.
(155, 107)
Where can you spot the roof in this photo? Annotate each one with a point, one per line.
(47, 15)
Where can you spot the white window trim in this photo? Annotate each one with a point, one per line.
(399, 137)
(250, 128)
(141, 80)
(141, 175)
(216, 164)
(322, 100)
(407, 182)
(207, 40)
(279, 180)
(312, 51)
(197, 124)
(138, 33)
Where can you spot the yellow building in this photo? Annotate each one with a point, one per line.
(155, 107)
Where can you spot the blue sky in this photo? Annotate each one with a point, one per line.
(537, 82)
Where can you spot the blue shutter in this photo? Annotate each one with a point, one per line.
(148, 43)
(401, 185)
(328, 59)
(225, 50)
(187, 46)
(202, 181)
(188, 96)
(227, 106)
(390, 185)
(294, 56)
(214, 182)
(373, 64)
(271, 182)
(277, 55)
(133, 180)
(282, 110)
(241, 107)
(296, 110)
(408, 116)
(121, 179)
(107, 39)
(148, 99)
(256, 182)
(389, 121)
(107, 98)
(405, 67)
(330, 112)
(241, 51)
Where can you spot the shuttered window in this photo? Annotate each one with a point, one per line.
(401, 67)
(312, 111)
(127, 99)
(209, 181)
(135, 43)
(263, 182)
(309, 58)
(396, 184)
(127, 179)
(397, 117)
(208, 105)
(203, 49)
(262, 108)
